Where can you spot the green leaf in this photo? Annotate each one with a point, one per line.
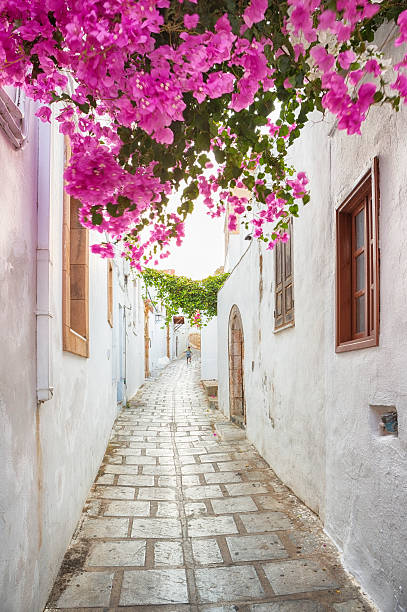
(203, 141)
(85, 107)
(97, 218)
(284, 130)
(284, 64)
(219, 156)
(123, 201)
(249, 182)
(203, 159)
(191, 191)
(259, 120)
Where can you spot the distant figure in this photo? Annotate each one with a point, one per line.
(189, 355)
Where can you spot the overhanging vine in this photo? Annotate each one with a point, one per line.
(195, 299)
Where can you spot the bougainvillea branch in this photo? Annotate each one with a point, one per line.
(153, 93)
(196, 300)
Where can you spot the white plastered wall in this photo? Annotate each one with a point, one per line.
(52, 451)
(180, 339)
(135, 337)
(158, 341)
(20, 457)
(75, 425)
(308, 408)
(366, 473)
(209, 350)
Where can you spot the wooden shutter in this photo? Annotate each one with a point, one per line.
(278, 312)
(288, 280)
(284, 283)
(79, 251)
(75, 276)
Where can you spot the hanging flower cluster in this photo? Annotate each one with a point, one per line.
(277, 201)
(149, 92)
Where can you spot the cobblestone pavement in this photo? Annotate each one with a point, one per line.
(179, 519)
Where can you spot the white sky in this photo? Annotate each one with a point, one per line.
(202, 251)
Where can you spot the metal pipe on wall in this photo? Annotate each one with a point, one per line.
(43, 314)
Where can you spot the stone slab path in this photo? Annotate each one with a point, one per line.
(179, 519)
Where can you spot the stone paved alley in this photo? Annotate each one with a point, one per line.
(179, 519)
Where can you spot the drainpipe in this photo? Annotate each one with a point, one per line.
(44, 374)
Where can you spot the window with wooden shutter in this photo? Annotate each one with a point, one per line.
(75, 277)
(284, 283)
(357, 277)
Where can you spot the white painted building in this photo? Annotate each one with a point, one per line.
(180, 336)
(160, 353)
(312, 347)
(72, 338)
(236, 243)
(209, 350)
(162, 342)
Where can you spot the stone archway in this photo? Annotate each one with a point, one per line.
(236, 355)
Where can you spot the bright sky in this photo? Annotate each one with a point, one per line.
(202, 251)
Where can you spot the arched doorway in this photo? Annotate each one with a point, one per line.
(236, 354)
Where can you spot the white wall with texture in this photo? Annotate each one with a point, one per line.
(309, 409)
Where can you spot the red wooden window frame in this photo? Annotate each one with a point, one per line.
(365, 197)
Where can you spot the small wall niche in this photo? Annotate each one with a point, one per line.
(384, 421)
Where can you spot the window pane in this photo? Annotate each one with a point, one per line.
(289, 297)
(278, 264)
(360, 314)
(360, 229)
(360, 272)
(287, 255)
(279, 302)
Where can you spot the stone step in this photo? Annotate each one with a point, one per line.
(213, 403)
(230, 432)
(211, 387)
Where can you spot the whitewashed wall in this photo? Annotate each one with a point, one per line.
(308, 408)
(284, 411)
(209, 350)
(75, 425)
(158, 341)
(180, 338)
(236, 245)
(158, 354)
(20, 450)
(135, 338)
(128, 331)
(52, 451)
(367, 474)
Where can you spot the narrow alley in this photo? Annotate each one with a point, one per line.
(180, 519)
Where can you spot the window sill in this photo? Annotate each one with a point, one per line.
(355, 345)
(276, 330)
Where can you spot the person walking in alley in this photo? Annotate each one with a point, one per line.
(189, 355)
